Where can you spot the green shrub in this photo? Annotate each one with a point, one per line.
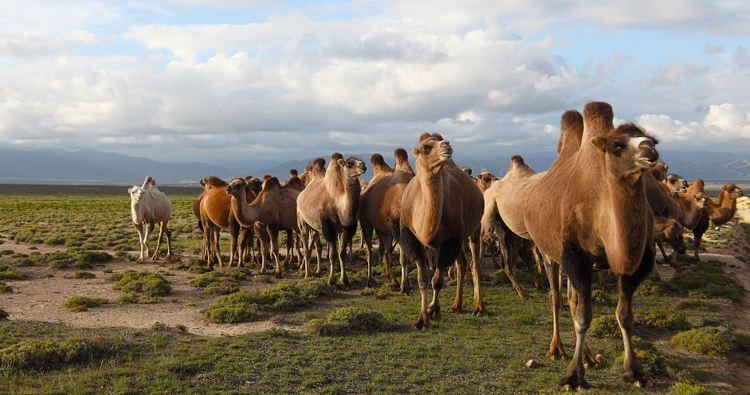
(662, 320)
(221, 282)
(6, 273)
(83, 303)
(5, 288)
(601, 297)
(604, 326)
(350, 320)
(708, 341)
(81, 274)
(246, 305)
(698, 305)
(46, 354)
(685, 388)
(142, 287)
(707, 279)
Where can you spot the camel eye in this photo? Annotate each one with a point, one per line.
(427, 149)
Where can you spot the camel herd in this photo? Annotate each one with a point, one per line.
(604, 205)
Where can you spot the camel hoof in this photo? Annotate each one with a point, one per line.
(570, 383)
(434, 312)
(635, 378)
(455, 309)
(480, 311)
(344, 280)
(556, 354)
(331, 281)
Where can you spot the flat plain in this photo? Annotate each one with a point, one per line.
(83, 316)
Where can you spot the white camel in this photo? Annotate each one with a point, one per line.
(150, 206)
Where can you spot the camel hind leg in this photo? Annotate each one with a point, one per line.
(556, 349)
(385, 247)
(162, 225)
(346, 236)
(476, 273)
(410, 246)
(461, 263)
(169, 242)
(139, 229)
(367, 240)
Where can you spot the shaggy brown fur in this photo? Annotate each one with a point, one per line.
(329, 205)
(380, 208)
(441, 208)
(216, 215)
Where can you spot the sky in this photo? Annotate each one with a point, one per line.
(261, 82)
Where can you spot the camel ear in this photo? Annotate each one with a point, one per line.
(424, 136)
(341, 162)
(416, 151)
(600, 142)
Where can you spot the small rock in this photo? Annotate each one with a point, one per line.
(600, 359)
(530, 364)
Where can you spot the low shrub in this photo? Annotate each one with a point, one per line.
(604, 326)
(6, 273)
(601, 297)
(81, 274)
(350, 320)
(246, 306)
(707, 279)
(742, 341)
(663, 320)
(5, 288)
(707, 341)
(45, 354)
(221, 282)
(140, 287)
(83, 303)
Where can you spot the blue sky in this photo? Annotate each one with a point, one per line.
(261, 81)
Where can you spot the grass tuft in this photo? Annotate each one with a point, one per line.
(83, 303)
(662, 320)
(350, 320)
(47, 354)
(5, 288)
(604, 326)
(685, 388)
(140, 287)
(707, 341)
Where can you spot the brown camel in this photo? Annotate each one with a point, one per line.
(675, 183)
(329, 205)
(380, 208)
(600, 218)
(722, 212)
(216, 215)
(668, 230)
(440, 209)
(484, 180)
(275, 207)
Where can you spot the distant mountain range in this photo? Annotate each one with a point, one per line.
(57, 166)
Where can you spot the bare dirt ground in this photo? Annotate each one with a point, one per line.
(41, 296)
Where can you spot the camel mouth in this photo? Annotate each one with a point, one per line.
(645, 163)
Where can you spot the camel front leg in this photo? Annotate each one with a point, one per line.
(217, 245)
(476, 273)
(273, 235)
(139, 229)
(347, 237)
(169, 242)
(384, 246)
(556, 349)
(579, 273)
(367, 240)
(158, 241)
(264, 249)
(318, 253)
(461, 262)
(333, 245)
(307, 240)
(437, 284)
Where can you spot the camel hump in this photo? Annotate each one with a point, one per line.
(428, 135)
(271, 183)
(599, 117)
(517, 160)
(400, 155)
(572, 120)
(377, 160)
(320, 163)
(213, 181)
(336, 156)
(293, 172)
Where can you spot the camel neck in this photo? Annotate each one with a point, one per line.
(431, 205)
(625, 223)
(245, 213)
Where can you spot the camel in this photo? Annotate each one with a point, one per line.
(668, 230)
(380, 207)
(600, 219)
(512, 245)
(441, 208)
(246, 248)
(216, 215)
(150, 206)
(275, 207)
(722, 212)
(485, 180)
(329, 205)
(675, 183)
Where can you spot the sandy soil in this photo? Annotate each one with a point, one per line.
(41, 297)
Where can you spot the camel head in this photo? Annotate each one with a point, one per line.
(700, 199)
(628, 151)
(432, 152)
(733, 191)
(466, 170)
(675, 183)
(673, 233)
(236, 187)
(254, 185)
(136, 193)
(293, 172)
(485, 179)
(352, 167)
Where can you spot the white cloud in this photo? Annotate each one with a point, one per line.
(722, 123)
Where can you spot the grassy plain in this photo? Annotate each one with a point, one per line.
(340, 340)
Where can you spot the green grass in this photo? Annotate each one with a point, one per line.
(5, 288)
(350, 321)
(7, 273)
(140, 287)
(82, 303)
(707, 341)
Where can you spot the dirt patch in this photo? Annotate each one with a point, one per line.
(41, 297)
